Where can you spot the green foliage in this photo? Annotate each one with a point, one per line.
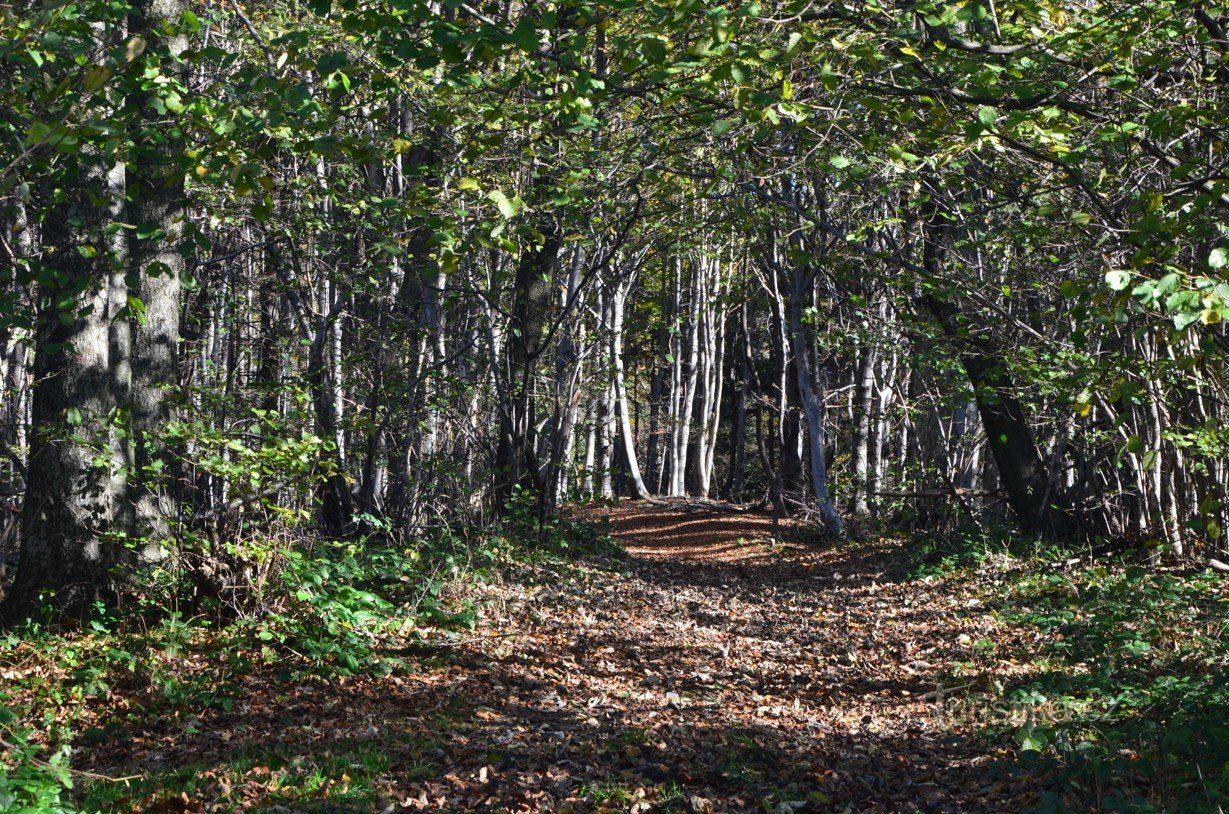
(350, 607)
(561, 536)
(1129, 704)
(937, 554)
(29, 782)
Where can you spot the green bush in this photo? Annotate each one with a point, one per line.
(30, 784)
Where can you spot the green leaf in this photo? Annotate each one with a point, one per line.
(1117, 279)
(654, 49)
(988, 116)
(328, 63)
(263, 210)
(508, 207)
(526, 34)
(1185, 319)
(1219, 258)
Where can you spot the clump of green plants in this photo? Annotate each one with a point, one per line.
(29, 781)
(346, 605)
(1131, 687)
(968, 547)
(557, 536)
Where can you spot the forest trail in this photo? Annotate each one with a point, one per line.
(712, 668)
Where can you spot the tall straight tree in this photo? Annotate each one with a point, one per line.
(156, 208)
(95, 377)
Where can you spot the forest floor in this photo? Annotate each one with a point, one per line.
(709, 664)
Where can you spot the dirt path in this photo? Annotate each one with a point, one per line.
(712, 669)
(724, 671)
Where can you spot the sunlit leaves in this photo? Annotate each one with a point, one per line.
(1117, 279)
(508, 207)
(1219, 258)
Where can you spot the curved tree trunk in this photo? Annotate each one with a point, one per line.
(1020, 465)
(812, 405)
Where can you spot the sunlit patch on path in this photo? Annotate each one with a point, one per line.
(698, 532)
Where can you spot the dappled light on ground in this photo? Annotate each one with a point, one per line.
(711, 669)
(700, 533)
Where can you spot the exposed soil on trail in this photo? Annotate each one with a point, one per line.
(717, 667)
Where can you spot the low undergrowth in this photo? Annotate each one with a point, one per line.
(1130, 687)
(362, 610)
(1125, 680)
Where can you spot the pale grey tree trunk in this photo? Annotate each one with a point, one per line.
(156, 208)
(812, 405)
(618, 296)
(864, 426)
(717, 386)
(605, 442)
(688, 381)
(589, 481)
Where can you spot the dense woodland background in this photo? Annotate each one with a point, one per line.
(316, 265)
(279, 272)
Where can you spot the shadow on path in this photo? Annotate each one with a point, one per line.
(721, 670)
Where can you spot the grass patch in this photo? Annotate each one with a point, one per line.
(346, 773)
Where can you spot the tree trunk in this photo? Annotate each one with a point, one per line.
(1020, 466)
(156, 208)
(738, 433)
(812, 405)
(535, 273)
(864, 423)
(618, 295)
(80, 384)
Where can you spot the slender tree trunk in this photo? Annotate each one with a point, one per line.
(812, 405)
(741, 385)
(789, 428)
(620, 391)
(864, 400)
(605, 442)
(656, 388)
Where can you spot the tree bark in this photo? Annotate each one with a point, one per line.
(156, 208)
(619, 295)
(74, 495)
(864, 424)
(812, 405)
(535, 271)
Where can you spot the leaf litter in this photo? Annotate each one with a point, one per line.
(720, 665)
